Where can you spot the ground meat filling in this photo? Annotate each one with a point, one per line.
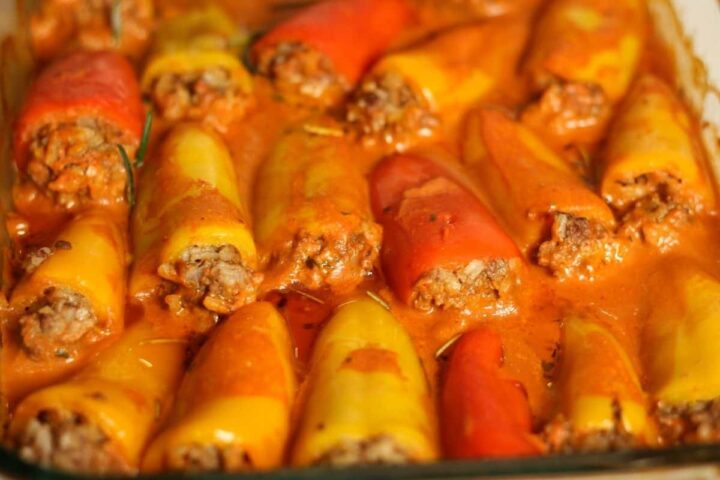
(210, 94)
(385, 108)
(560, 436)
(377, 450)
(302, 74)
(67, 441)
(578, 247)
(78, 162)
(209, 458)
(696, 422)
(655, 205)
(56, 322)
(454, 288)
(339, 259)
(571, 112)
(215, 276)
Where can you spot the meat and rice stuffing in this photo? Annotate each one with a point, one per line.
(578, 247)
(67, 441)
(377, 450)
(56, 322)
(696, 422)
(209, 458)
(385, 108)
(214, 276)
(78, 161)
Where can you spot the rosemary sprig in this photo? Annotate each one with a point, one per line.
(144, 141)
(116, 21)
(130, 187)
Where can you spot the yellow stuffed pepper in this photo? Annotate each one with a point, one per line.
(581, 60)
(99, 421)
(406, 93)
(313, 223)
(194, 71)
(232, 411)
(602, 406)
(367, 399)
(191, 226)
(681, 354)
(69, 303)
(652, 171)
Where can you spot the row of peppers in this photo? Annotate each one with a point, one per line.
(406, 191)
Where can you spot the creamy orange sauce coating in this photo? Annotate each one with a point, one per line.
(531, 333)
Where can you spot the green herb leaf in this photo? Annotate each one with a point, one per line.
(116, 21)
(130, 187)
(144, 141)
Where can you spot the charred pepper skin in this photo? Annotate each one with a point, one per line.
(366, 389)
(483, 413)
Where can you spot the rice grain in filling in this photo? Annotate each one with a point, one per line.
(56, 322)
(68, 441)
(302, 74)
(78, 162)
(215, 276)
(695, 422)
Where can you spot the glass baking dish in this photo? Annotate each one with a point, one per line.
(692, 30)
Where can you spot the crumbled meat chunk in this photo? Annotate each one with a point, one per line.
(578, 247)
(654, 207)
(377, 450)
(211, 95)
(56, 322)
(338, 258)
(696, 422)
(302, 74)
(569, 112)
(78, 162)
(37, 256)
(216, 276)
(454, 288)
(68, 441)
(387, 109)
(209, 458)
(561, 437)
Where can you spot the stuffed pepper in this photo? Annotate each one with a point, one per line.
(367, 400)
(191, 226)
(99, 421)
(602, 406)
(681, 354)
(406, 92)
(483, 413)
(76, 114)
(652, 171)
(69, 303)
(442, 247)
(59, 26)
(194, 71)
(549, 211)
(313, 223)
(232, 411)
(317, 56)
(582, 58)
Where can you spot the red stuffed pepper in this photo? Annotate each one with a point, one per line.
(442, 247)
(316, 56)
(76, 113)
(483, 414)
